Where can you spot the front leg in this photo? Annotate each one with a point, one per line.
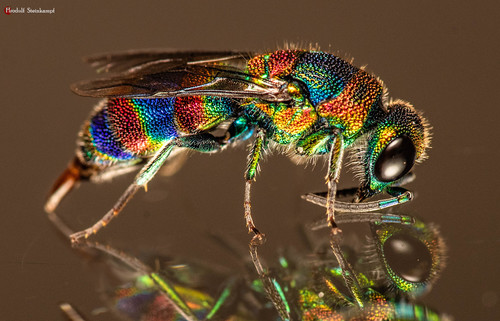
(332, 180)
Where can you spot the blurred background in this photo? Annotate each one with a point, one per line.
(441, 56)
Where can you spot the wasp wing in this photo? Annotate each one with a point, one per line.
(161, 60)
(174, 74)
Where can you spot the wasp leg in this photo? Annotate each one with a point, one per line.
(399, 196)
(91, 248)
(203, 142)
(251, 172)
(332, 180)
(144, 176)
(362, 212)
(166, 288)
(222, 309)
(346, 218)
(348, 273)
(271, 286)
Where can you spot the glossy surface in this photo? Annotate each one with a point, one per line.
(396, 160)
(438, 55)
(311, 285)
(409, 258)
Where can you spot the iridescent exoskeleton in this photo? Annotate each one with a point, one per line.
(303, 102)
(174, 290)
(382, 279)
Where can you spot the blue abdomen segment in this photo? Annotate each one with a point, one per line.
(126, 130)
(157, 118)
(100, 140)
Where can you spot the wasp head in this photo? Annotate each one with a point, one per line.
(408, 258)
(393, 147)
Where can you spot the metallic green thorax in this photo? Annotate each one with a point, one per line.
(329, 96)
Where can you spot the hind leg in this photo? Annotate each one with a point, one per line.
(201, 142)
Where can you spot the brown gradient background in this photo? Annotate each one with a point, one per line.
(443, 56)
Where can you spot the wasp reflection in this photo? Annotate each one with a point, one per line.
(382, 279)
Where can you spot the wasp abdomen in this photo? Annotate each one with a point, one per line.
(123, 130)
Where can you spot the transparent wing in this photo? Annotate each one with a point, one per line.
(145, 74)
(162, 60)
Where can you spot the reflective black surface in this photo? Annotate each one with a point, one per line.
(396, 160)
(442, 57)
(408, 257)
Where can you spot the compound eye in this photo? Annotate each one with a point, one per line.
(408, 257)
(396, 160)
